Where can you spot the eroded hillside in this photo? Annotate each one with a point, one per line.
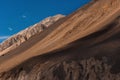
(26, 34)
(82, 46)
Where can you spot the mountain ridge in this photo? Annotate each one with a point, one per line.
(82, 46)
(27, 33)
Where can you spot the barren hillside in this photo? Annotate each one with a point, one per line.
(26, 34)
(84, 45)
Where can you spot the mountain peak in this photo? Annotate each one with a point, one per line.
(50, 20)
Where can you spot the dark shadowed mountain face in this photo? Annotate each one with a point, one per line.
(92, 52)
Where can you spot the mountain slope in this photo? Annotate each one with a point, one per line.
(24, 35)
(82, 46)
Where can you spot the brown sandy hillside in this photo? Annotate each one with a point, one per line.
(84, 45)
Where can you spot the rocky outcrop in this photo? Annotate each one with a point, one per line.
(64, 68)
(24, 35)
(82, 46)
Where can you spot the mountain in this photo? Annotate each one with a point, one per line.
(84, 45)
(24, 35)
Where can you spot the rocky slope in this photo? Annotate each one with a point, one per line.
(24, 35)
(82, 46)
(70, 69)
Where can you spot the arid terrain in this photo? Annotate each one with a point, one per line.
(84, 45)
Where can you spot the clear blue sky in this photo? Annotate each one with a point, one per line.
(16, 15)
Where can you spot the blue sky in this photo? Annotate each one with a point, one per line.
(16, 15)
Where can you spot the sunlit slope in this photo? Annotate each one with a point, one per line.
(92, 18)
